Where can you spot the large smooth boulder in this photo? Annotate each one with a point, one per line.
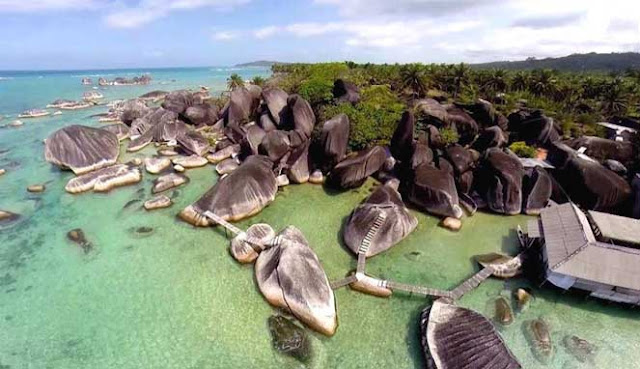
(290, 276)
(402, 140)
(463, 123)
(434, 191)
(275, 145)
(454, 337)
(202, 114)
(353, 171)
(193, 142)
(178, 101)
(460, 159)
(81, 148)
(485, 114)
(304, 120)
(334, 140)
(150, 120)
(537, 189)
(398, 221)
(490, 137)
(132, 110)
(121, 130)
(104, 179)
(241, 194)
(534, 127)
(242, 105)
(168, 131)
(344, 91)
(593, 186)
(602, 149)
(500, 181)
(298, 164)
(253, 138)
(276, 101)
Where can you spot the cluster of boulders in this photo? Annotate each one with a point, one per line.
(145, 79)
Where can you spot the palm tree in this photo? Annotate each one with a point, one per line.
(614, 99)
(496, 81)
(412, 76)
(235, 81)
(460, 77)
(543, 82)
(520, 81)
(258, 81)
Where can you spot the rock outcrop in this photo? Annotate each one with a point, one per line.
(353, 171)
(398, 221)
(82, 149)
(434, 191)
(500, 181)
(291, 277)
(241, 194)
(104, 179)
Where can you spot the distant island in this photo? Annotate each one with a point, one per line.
(258, 63)
(572, 63)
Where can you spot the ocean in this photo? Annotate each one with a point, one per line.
(155, 292)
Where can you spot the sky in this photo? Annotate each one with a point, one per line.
(86, 34)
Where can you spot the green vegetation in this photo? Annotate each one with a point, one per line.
(373, 120)
(521, 149)
(575, 100)
(449, 136)
(258, 81)
(573, 63)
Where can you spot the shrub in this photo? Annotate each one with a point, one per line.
(373, 120)
(316, 91)
(449, 136)
(523, 150)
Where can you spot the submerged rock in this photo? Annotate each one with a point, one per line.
(504, 313)
(581, 349)
(104, 179)
(454, 337)
(245, 252)
(156, 165)
(288, 338)
(82, 149)
(523, 297)
(77, 236)
(8, 218)
(241, 194)
(36, 188)
(168, 181)
(397, 224)
(434, 191)
(291, 277)
(353, 171)
(158, 202)
(504, 266)
(539, 338)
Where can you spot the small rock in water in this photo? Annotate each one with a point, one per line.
(539, 338)
(7, 217)
(167, 152)
(141, 231)
(316, 177)
(288, 338)
(581, 349)
(451, 224)
(158, 202)
(244, 252)
(523, 297)
(16, 123)
(136, 162)
(413, 255)
(504, 313)
(178, 168)
(2, 171)
(168, 181)
(192, 161)
(370, 286)
(36, 188)
(130, 203)
(78, 237)
(156, 165)
(282, 180)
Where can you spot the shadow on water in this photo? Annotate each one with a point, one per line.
(414, 345)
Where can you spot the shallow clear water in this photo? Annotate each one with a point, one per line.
(175, 298)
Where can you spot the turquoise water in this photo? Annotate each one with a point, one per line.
(175, 298)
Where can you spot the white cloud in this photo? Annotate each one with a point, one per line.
(266, 32)
(225, 35)
(147, 11)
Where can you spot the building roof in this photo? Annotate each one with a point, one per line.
(617, 228)
(572, 250)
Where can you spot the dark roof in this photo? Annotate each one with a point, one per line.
(572, 250)
(617, 228)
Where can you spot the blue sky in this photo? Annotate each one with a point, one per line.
(79, 34)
